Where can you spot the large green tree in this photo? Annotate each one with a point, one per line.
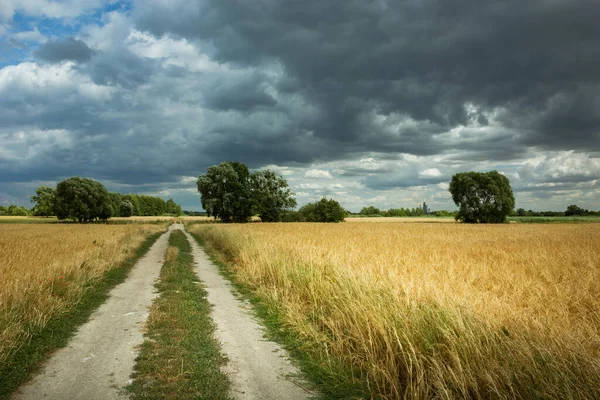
(229, 191)
(83, 200)
(44, 200)
(271, 195)
(482, 197)
(225, 192)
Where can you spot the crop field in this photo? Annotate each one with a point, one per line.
(44, 270)
(401, 219)
(433, 310)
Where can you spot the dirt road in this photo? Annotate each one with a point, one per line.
(99, 359)
(258, 368)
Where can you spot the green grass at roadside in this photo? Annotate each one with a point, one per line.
(555, 220)
(180, 359)
(28, 220)
(332, 378)
(26, 361)
(54, 220)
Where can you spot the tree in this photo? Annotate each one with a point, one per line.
(482, 197)
(225, 192)
(371, 210)
(44, 200)
(135, 201)
(575, 210)
(323, 211)
(83, 200)
(173, 208)
(271, 196)
(115, 200)
(126, 209)
(17, 211)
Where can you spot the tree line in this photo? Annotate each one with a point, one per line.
(14, 211)
(572, 211)
(372, 211)
(85, 200)
(231, 193)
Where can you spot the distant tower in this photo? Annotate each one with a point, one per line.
(425, 209)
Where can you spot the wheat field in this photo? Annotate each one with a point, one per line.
(45, 268)
(435, 310)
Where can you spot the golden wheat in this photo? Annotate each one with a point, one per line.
(45, 268)
(435, 310)
(401, 219)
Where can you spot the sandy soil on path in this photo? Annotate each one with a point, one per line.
(99, 359)
(257, 368)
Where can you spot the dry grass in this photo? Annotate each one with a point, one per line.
(402, 219)
(435, 310)
(171, 254)
(45, 268)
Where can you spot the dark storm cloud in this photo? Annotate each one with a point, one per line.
(64, 49)
(536, 60)
(243, 95)
(391, 181)
(324, 84)
(121, 68)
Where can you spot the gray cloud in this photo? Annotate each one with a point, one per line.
(178, 86)
(121, 68)
(64, 49)
(244, 95)
(426, 60)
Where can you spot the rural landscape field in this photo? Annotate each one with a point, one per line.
(425, 310)
(45, 269)
(288, 199)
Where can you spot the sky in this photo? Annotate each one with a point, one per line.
(368, 102)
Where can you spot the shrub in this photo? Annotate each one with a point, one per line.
(323, 211)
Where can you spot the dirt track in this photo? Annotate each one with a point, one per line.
(258, 368)
(99, 359)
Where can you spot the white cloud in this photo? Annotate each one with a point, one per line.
(376, 200)
(176, 52)
(560, 166)
(27, 145)
(47, 8)
(33, 83)
(430, 173)
(310, 186)
(30, 36)
(318, 174)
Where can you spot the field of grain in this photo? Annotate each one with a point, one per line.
(401, 219)
(435, 310)
(44, 270)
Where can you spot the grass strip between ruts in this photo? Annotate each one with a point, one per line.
(57, 332)
(180, 359)
(332, 378)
